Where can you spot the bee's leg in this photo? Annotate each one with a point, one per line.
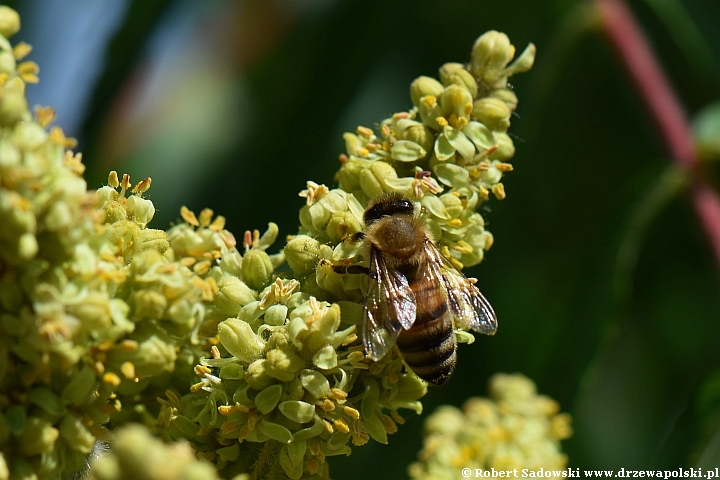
(351, 269)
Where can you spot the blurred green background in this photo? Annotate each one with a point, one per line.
(234, 105)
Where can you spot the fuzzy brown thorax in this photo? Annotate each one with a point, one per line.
(399, 238)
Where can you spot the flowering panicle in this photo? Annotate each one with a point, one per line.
(93, 304)
(514, 429)
(287, 372)
(448, 153)
(198, 336)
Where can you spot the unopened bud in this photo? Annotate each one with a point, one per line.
(257, 269)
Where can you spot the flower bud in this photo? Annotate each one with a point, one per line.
(453, 205)
(342, 225)
(151, 238)
(493, 112)
(302, 254)
(276, 314)
(257, 269)
(232, 295)
(424, 86)
(180, 317)
(9, 21)
(13, 105)
(490, 54)
(455, 74)
(27, 246)
(283, 364)
(239, 339)
(231, 263)
(456, 100)
(446, 419)
(505, 148)
(256, 377)
(369, 183)
(149, 304)
(153, 356)
(114, 212)
(383, 171)
(420, 135)
(508, 97)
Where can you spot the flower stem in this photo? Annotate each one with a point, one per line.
(266, 466)
(632, 47)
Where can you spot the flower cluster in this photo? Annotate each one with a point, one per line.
(198, 337)
(61, 268)
(514, 429)
(137, 454)
(96, 310)
(288, 373)
(448, 153)
(101, 316)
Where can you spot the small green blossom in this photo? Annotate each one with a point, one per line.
(514, 429)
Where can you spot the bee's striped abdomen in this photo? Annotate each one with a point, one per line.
(429, 346)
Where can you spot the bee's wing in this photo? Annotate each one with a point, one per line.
(469, 306)
(389, 307)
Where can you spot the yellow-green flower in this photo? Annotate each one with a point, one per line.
(515, 428)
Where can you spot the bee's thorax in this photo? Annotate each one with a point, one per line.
(399, 237)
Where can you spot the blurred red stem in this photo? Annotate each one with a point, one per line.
(632, 47)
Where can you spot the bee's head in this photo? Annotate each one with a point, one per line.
(386, 206)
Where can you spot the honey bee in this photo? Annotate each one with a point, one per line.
(415, 295)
